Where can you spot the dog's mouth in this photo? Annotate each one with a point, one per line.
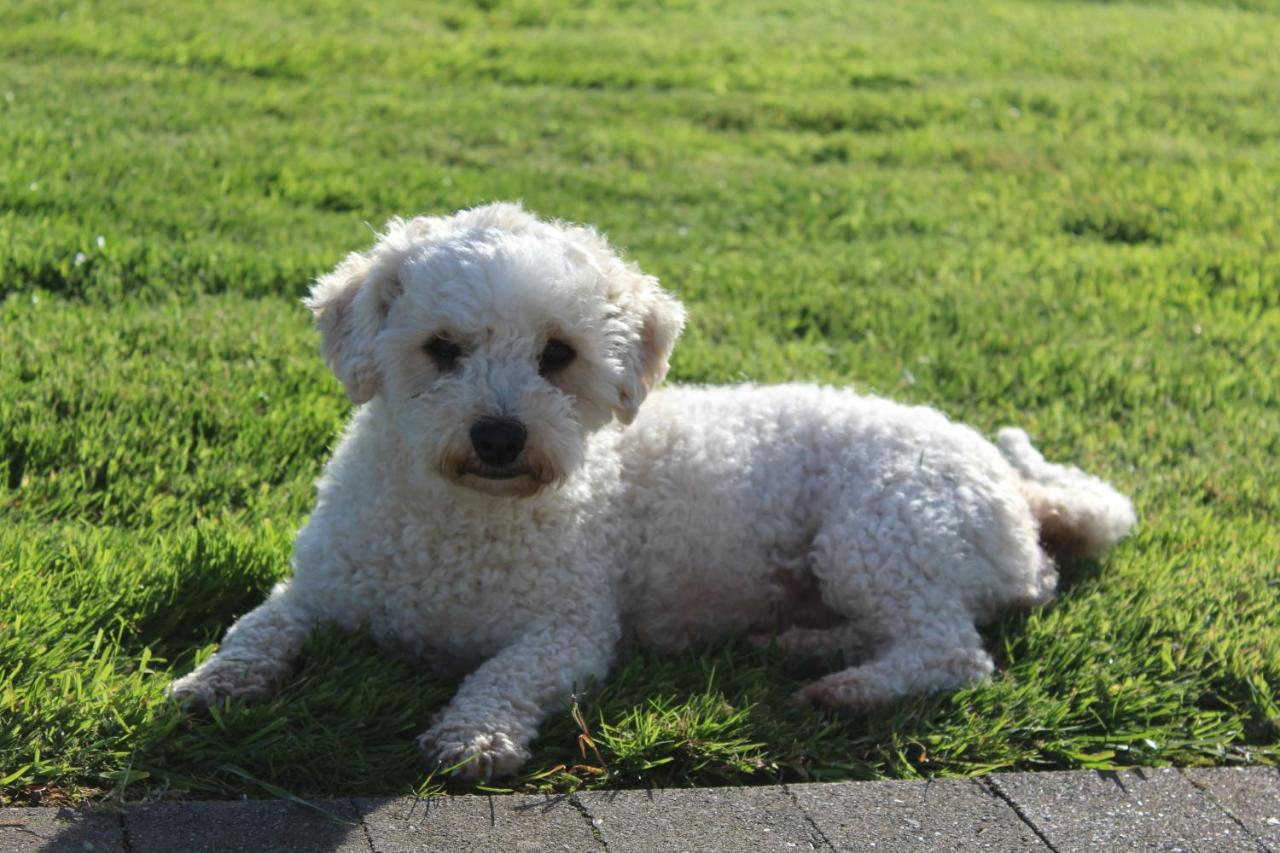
(526, 476)
(496, 472)
(512, 481)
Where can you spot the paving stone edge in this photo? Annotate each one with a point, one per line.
(1216, 795)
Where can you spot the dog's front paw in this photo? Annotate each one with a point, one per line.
(470, 754)
(217, 679)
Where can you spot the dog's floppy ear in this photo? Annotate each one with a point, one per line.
(350, 304)
(653, 320)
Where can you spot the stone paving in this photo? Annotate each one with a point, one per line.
(1212, 809)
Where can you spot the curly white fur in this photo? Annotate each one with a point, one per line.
(822, 519)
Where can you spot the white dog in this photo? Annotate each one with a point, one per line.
(488, 507)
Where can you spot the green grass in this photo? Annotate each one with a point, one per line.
(1060, 215)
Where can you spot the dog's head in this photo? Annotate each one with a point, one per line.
(496, 341)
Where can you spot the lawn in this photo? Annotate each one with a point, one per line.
(1061, 215)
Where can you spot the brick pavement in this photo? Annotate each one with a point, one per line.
(1202, 809)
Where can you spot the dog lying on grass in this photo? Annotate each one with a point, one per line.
(501, 501)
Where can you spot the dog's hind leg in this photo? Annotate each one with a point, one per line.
(939, 653)
(910, 582)
(256, 655)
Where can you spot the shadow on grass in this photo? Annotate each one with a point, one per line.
(344, 723)
(347, 721)
(720, 715)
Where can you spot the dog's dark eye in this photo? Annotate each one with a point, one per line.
(555, 357)
(444, 352)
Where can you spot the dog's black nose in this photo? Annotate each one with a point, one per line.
(498, 441)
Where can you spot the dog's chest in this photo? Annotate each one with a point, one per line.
(466, 589)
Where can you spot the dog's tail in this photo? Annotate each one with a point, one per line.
(1079, 515)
